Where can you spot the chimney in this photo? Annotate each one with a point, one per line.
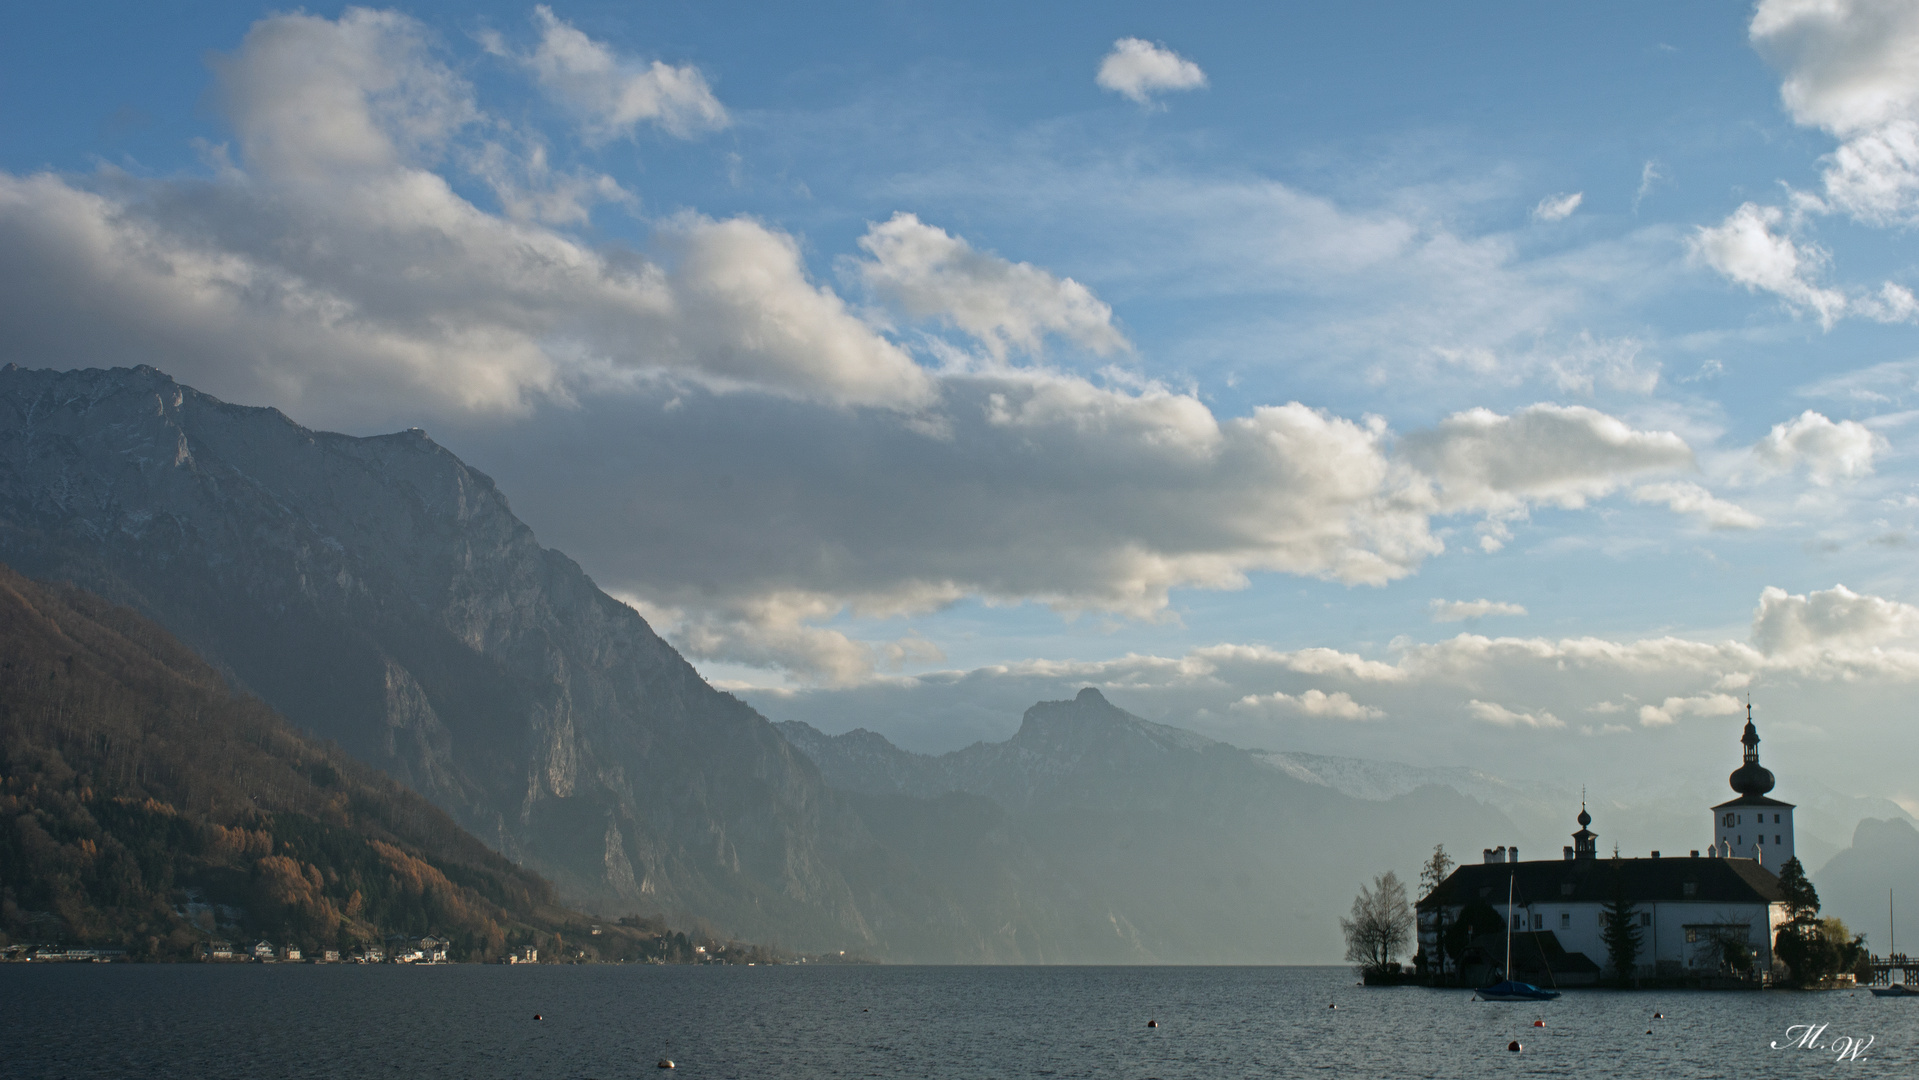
(1488, 855)
(1655, 854)
(1569, 853)
(1512, 853)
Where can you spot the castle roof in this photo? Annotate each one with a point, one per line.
(1753, 800)
(1643, 881)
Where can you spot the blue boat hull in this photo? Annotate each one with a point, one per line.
(1511, 990)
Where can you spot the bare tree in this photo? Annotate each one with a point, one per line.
(1381, 925)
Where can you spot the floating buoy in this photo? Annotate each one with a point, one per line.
(537, 1016)
(666, 1063)
(1658, 1016)
(1513, 1046)
(1649, 1031)
(1332, 1006)
(866, 1010)
(1152, 1023)
(1539, 1023)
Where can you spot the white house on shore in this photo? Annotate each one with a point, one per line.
(1698, 916)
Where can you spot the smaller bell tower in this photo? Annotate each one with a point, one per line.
(1753, 826)
(1585, 841)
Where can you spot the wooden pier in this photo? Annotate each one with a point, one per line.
(1884, 966)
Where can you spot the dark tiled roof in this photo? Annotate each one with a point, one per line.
(1753, 800)
(1535, 952)
(1644, 881)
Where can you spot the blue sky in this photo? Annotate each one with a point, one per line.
(1514, 385)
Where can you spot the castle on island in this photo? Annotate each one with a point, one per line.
(1709, 914)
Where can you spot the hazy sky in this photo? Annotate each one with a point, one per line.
(1507, 385)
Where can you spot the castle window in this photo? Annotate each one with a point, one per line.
(1691, 889)
(1565, 888)
(1565, 920)
(1776, 839)
(1645, 918)
(1539, 922)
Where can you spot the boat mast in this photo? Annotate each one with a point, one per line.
(1509, 928)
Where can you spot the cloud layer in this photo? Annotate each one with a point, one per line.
(332, 270)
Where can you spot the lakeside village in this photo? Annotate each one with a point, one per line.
(1740, 915)
(425, 950)
(592, 945)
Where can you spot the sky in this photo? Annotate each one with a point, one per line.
(1510, 385)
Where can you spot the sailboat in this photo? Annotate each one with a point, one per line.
(1892, 949)
(1511, 990)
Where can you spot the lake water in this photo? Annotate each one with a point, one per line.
(261, 1022)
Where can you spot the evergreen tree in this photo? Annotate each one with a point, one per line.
(1436, 870)
(1809, 954)
(1802, 900)
(1620, 933)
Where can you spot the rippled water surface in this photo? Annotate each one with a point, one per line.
(294, 1021)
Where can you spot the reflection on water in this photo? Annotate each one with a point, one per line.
(466, 1021)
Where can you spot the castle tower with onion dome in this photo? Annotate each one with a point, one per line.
(1753, 826)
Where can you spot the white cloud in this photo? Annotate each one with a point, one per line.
(1852, 68)
(1850, 65)
(1558, 207)
(930, 274)
(1461, 610)
(1313, 703)
(1746, 249)
(1685, 497)
(319, 101)
(1557, 455)
(1139, 69)
(1875, 176)
(1828, 451)
(334, 273)
(1833, 619)
(612, 95)
(1494, 713)
(772, 632)
(1669, 711)
(1650, 174)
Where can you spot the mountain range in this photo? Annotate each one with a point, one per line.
(381, 594)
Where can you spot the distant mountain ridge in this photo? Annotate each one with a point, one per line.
(1197, 850)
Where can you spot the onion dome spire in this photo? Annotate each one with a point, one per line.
(1585, 841)
(1751, 778)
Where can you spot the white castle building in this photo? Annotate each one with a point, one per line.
(1703, 916)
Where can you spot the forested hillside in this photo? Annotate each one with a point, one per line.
(146, 805)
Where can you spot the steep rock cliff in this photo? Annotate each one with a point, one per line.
(382, 594)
